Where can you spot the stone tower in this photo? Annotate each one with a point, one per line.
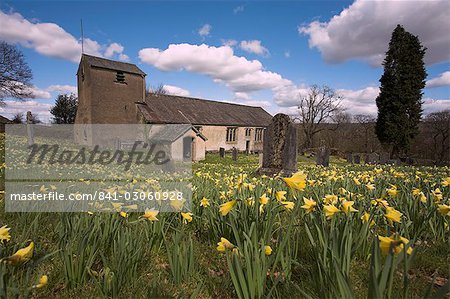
(108, 91)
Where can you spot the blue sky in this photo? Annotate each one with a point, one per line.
(255, 53)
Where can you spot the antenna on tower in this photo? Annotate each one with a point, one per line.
(82, 37)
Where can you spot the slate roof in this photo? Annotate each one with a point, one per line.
(112, 64)
(4, 120)
(170, 109)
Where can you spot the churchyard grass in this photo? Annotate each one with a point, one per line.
(343, 231)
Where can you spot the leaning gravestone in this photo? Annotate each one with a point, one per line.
(357, 159)
(30, 131)
(234, 153)
(280, 146)
(222, 152)
(350, 158)
(323, 156)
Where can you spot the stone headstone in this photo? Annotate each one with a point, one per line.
(371, 158)
(260, 159)
(350, 158)
(280, 146)
(222, 152)
(30, 131)
(384, 157)
(323, 156)
(234, 153)
(357, 159)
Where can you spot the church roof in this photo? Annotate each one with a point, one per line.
(170, 109)
(4, 120)
(112, 64)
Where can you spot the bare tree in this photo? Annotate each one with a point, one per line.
(439, 125)
(15, 74)
(322, 104)
(367, 127)
(18, 118)
(157, 90)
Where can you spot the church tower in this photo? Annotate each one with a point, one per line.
(108, 91)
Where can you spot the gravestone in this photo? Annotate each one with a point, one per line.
(357, 159)
(350, 158)
(222, 152)
(371, 158)
(323, 156)
(234, 153)
(30, 131)
(260, 159)
(384, 157)
(280, 147)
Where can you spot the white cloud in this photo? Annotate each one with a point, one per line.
(48, 39)
(287, 54)
(177, 91)
(62, 88)
(42, 110)
(229, 42)
(442, 80)
(37, 93)
(204, 30)
(254, 46)
(363, 30)
(219, 63)
(433, 105)
(238, 9)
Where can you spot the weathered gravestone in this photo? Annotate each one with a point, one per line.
(234, 153)
(350, 158)
(384, 158)
(323, 156)
(280, 146)
(222, 152)
(371, 158)
(30, 131)
(357, 159)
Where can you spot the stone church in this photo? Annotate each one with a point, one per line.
(113, 92)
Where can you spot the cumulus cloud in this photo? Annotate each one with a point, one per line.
(442, 80)
(219, 63)
(432, 105)
(42, 110)
(363, 30)
(116, 48)
(177, 91)
(49, 39)
(204, 30)
(229, 42)
(62, 88)
(238, 9)
(254, 46)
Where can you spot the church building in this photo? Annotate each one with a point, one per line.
(113, 92)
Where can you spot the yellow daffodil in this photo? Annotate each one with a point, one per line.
(151, 215)
(393, 215)
(437, 194)
(297, 181)
(365, 217)
(280, 195)
(422, 197)
(187, 217)
(288, 205)
(416, 191)
(263, 199)
(224, 244)
(43, 280)
(4, 233)
(397, 244)
(123, 214)
(267, 250)
(444, 210)
(309, 205)
(392, 191)
(21, 256)
(446, 182)
(330, 199)
(227, 207)
(356, 181)
(370, 186)
(380, 202)
(204, 202)
(311, 182)
(347, 206)
(330, 210)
